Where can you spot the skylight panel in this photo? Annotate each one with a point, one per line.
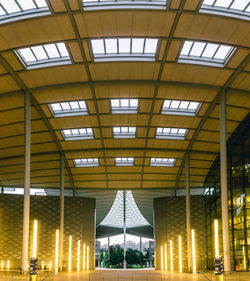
(124, 105)
(205, 53)
(232, 8)
(171, 133)
(164, 162)
(123, 4)
(44, 55)
(12, 10)
(124, 49)
(133, 216)
(124, 132)
(86, 162)
(177, 107)
(124, 161)
(78, 134)
(68, 108)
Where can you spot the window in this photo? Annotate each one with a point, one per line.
(11, 10)
(165, 162)
(68, 108)
(20, 191)
(124, 132)
(124, 105)
(177, 107)
(78, 134)
(44, 55)
(171, 133)
(232, 8)
(205, 53)
(123, 4)
(124, 49)
(124, 161)
(86, 162)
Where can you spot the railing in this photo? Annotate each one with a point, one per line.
(25, 276)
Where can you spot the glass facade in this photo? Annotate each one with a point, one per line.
(238, 149)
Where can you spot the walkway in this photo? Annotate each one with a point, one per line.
(146, 275)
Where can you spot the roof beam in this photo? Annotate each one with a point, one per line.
(169, 42)
(230, 80)
(125, 82)
(24, 88)
(79, 41)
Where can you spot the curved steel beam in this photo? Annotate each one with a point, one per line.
(230, 80)
(24, 88)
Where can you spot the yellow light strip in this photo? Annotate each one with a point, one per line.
(166, 256)
(8, 265)
(84, 257)
(78, 255)
(57, 250)
(2, 264)
(161, 258)
(87, 257)
(42, 265)
(35, 239)
(171, 256)
(50, 265)
(70, 245)
(193, 251)
(216, 239)
(180, 257)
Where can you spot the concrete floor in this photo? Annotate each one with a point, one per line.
(147, 275)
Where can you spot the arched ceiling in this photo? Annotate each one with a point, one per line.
(151, 82)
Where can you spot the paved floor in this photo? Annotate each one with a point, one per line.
(147, 275)
(127, 275)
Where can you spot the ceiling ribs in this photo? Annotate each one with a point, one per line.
(216, 100)
(24, 88)
(173, 28)
(74, 26)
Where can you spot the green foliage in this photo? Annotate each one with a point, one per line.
(134, 257)
(116, 255)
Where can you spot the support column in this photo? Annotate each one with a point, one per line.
(140, 244)
(223, 176)
(188, 223)
(26, 201)
(61, 213)
(124, 227)
(109, 247)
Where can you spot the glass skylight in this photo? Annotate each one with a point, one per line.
(232, 8)
(133, 216)
(205, 53)
(124, 49)
(124, 132)
(44, 55)
(123, 4)
(68, 108)
(171, 133)
(177, 107)
(124, 105)
(124, 161)
(86, 162)
(11, 10)
(165, 162)
(78, 134)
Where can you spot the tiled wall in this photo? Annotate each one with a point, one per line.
(79, 222)
(170, 222)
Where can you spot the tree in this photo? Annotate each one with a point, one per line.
(116, 255)
(134, 257)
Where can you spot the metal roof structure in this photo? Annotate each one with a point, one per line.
(150, 71)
